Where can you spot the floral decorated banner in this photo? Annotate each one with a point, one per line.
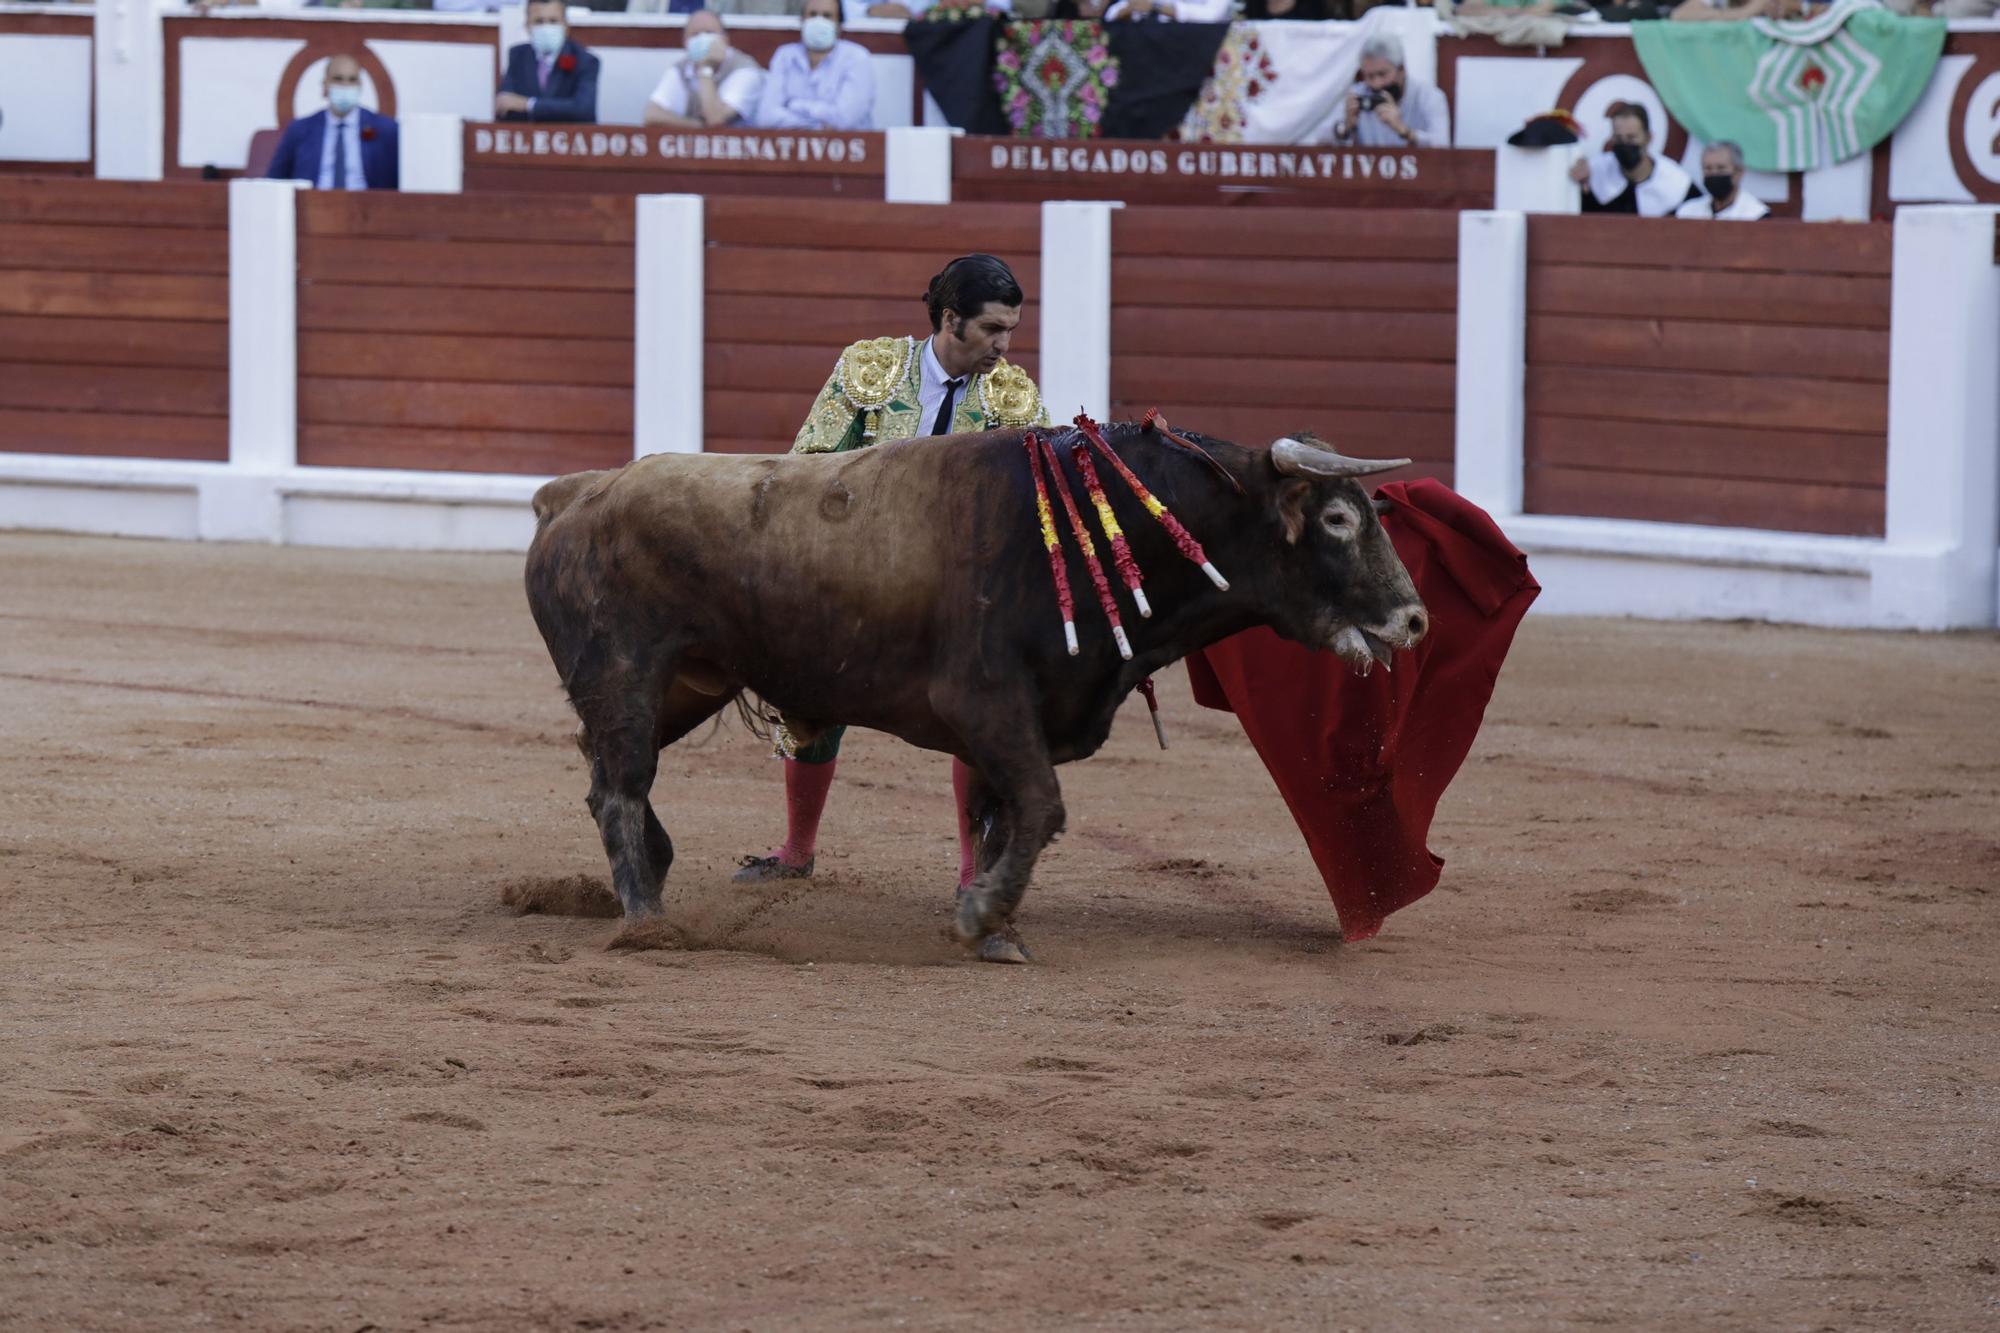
(1054, 78)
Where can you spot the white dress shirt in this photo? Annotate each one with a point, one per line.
(1745, 207)
(1424, 112)
(739, 90)
(838, 94)
(348, 125)
(931, 382)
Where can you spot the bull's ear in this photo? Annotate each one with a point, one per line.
(1293, 498)
(1383, 504)
(1296, 458)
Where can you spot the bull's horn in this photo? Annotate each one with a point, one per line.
(1296, 459)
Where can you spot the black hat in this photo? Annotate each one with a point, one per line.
(1546, 130)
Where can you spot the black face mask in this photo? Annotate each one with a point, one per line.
(1719, 187)
(1628, 154)
(1394, 90)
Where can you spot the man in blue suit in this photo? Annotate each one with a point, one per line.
(346, 146)
(549, 77)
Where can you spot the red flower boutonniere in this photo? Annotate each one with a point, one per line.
(367, 134)
(565, 62)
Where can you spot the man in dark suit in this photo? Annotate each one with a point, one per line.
(549, 77)
(346, 146)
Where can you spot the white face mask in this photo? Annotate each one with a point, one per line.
(819, 32)
(342, 98)
(546, 38)
(701, 46)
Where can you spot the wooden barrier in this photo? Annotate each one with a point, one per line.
(474, 335)
(1140, 172)
(1341, 325)
(114, 319)
(1709, 373)
(785, 294)
(613, 159)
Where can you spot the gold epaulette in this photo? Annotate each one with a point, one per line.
(870, 374)
(1009, 396)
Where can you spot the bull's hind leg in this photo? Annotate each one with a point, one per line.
(620, 736)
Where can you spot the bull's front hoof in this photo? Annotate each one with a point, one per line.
(965, 921)
(1003, 947)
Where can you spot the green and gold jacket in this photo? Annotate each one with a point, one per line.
(873, 395)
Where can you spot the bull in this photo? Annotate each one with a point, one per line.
(906, 588)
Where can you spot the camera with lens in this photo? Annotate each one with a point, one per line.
(1371, 99)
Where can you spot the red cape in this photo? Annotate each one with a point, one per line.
(1362, 760)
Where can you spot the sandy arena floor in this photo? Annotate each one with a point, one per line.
(1702, 1028)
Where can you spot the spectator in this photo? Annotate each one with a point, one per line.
(1725, 11)
(909, 9)
(346, 146)
(1625, 177)
(1308, 10)
(1170, 11)
(818, 82)
(1388, 109)
(549, 77)
(1722, 177)
(713, 86)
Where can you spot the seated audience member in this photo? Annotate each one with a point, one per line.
(1307, 10)
(1169, 11)
(1727, 11)
(715, 85)
(818, 82)
(549, 77)
(1386, 108)
(1722, 177)
(346, 146)
(1625, 177)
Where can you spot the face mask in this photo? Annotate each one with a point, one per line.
(1394, 90)
(818, 33)
(701, 46)
(342, 98)
(1719, 187)
(1629, 155)
(546, 38)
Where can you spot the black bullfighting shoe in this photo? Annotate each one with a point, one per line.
(769, 870)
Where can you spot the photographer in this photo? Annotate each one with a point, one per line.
(1386, 109)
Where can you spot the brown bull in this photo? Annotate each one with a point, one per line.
(905, 588)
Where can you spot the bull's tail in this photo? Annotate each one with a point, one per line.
(559, 494)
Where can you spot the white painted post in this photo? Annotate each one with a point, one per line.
(1839, 191)
(668, 375)
(917, 166)
(1076, 309)
(129, 64)
(1536, 180)
(242, 503)
(432, 148)
(1489, 461)
(1938, 570)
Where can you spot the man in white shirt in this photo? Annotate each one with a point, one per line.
(1722, 177)
(1626, 177)
(1170, 11)
(1388, 109)
(712, 86)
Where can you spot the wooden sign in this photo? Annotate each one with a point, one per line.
(624, 159)
(1138, 171)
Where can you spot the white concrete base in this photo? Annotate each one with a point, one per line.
(383, 510)
(1667, 571)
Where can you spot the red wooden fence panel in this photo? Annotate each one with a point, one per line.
(788, 289)
(114, 318)
(488, 333)
(1693, 372)
(1250, 326)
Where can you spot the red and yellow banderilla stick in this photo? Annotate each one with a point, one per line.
(1183, 540)
(1089, 549)
(1051, 543)
(1121, 550)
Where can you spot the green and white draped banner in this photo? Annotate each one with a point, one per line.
(1796, 95)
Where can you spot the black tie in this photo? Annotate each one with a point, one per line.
(340, 154)
(942, 426)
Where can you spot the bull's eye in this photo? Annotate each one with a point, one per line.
(1338, 522)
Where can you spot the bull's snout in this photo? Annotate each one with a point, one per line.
(1407, 627)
